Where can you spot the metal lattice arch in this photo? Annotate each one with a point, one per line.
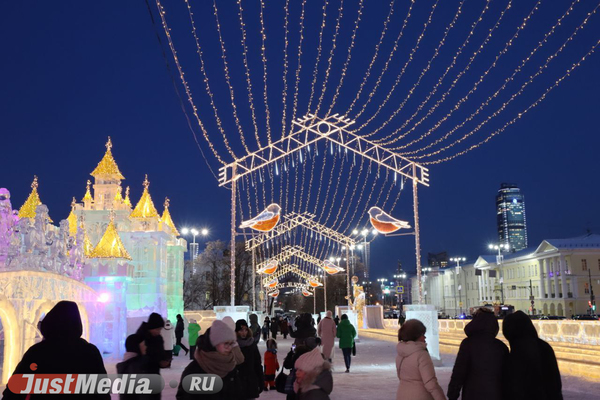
(26, 296)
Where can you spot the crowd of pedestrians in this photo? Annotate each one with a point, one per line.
(485, 368)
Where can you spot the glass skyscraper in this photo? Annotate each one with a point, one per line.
(512, 224)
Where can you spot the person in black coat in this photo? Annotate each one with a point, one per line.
(251, 370)
(217, 352)
(255, 327)
(155, 346)
(134, 362)
(62, 351)
(531, 370)
(274, 327)
(179, 328)
(304, 329)
(480, 361)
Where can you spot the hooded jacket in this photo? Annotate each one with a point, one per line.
(62, 351)
(478, 370)
(193, 331)
(317, 384)
(531, 371)
(346, 333)
(168, 335)
(255, 327)
(416, 373)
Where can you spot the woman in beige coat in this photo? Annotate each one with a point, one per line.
(414, 365)
(327, 332)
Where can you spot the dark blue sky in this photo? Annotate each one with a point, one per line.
(77, 72)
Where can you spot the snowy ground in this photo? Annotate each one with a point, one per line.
(373, 374)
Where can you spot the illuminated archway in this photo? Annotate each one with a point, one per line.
(8, 316)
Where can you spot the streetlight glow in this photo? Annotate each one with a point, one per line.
(185, 231)
(204, 232)
(355, 232)
(194, 232)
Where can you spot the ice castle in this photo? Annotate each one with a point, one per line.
(118, 262)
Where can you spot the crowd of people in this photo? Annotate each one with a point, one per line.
(484, 367)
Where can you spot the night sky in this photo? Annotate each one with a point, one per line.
(76, 72)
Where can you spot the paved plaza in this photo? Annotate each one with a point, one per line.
(373, 374)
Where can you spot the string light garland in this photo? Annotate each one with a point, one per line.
(204, 74)
(263, 54)
(318, 58)
(331, 53)
(348, 58)
(226, 73)
(429, 63)
(520, 115)
(506, 82)
(188, 92)
(399, 77)
(507, 46)
(375, 55)
(247, 71)
(386, 140)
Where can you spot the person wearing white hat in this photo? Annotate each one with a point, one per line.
(313, 376)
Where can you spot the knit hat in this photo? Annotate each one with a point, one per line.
(310, 361)
(132, 343)
(239, 324)
(229, 322)
(220, 332)
(155, 321)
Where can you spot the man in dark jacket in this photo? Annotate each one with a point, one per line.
(480, 361)
(531, 371)
(179, 328)
(62, 351)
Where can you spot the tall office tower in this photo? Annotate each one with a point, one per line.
(512, 223)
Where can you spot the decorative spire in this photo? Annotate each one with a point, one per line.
(72, 219)
(87, 243)
(108, 165)
(110, 245)
(118, 196)
(167, 220)
(145, 207)
(88, 194)
(27, 210)
(127, 202)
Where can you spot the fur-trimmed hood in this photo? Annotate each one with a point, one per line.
(317, 379)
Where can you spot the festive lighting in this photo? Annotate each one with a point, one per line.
(107, 165)
(110, 245)
(145, 207)
(104, 297)
(167, 220)
(383, 222)
(207, 84)
(265, 221)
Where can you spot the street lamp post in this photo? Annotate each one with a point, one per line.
(194, 232)
(499, 260)
(457, 260)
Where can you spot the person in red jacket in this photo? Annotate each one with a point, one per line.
(271, 364)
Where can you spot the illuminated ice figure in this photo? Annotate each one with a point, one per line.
(117, 262)
(152, 279)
